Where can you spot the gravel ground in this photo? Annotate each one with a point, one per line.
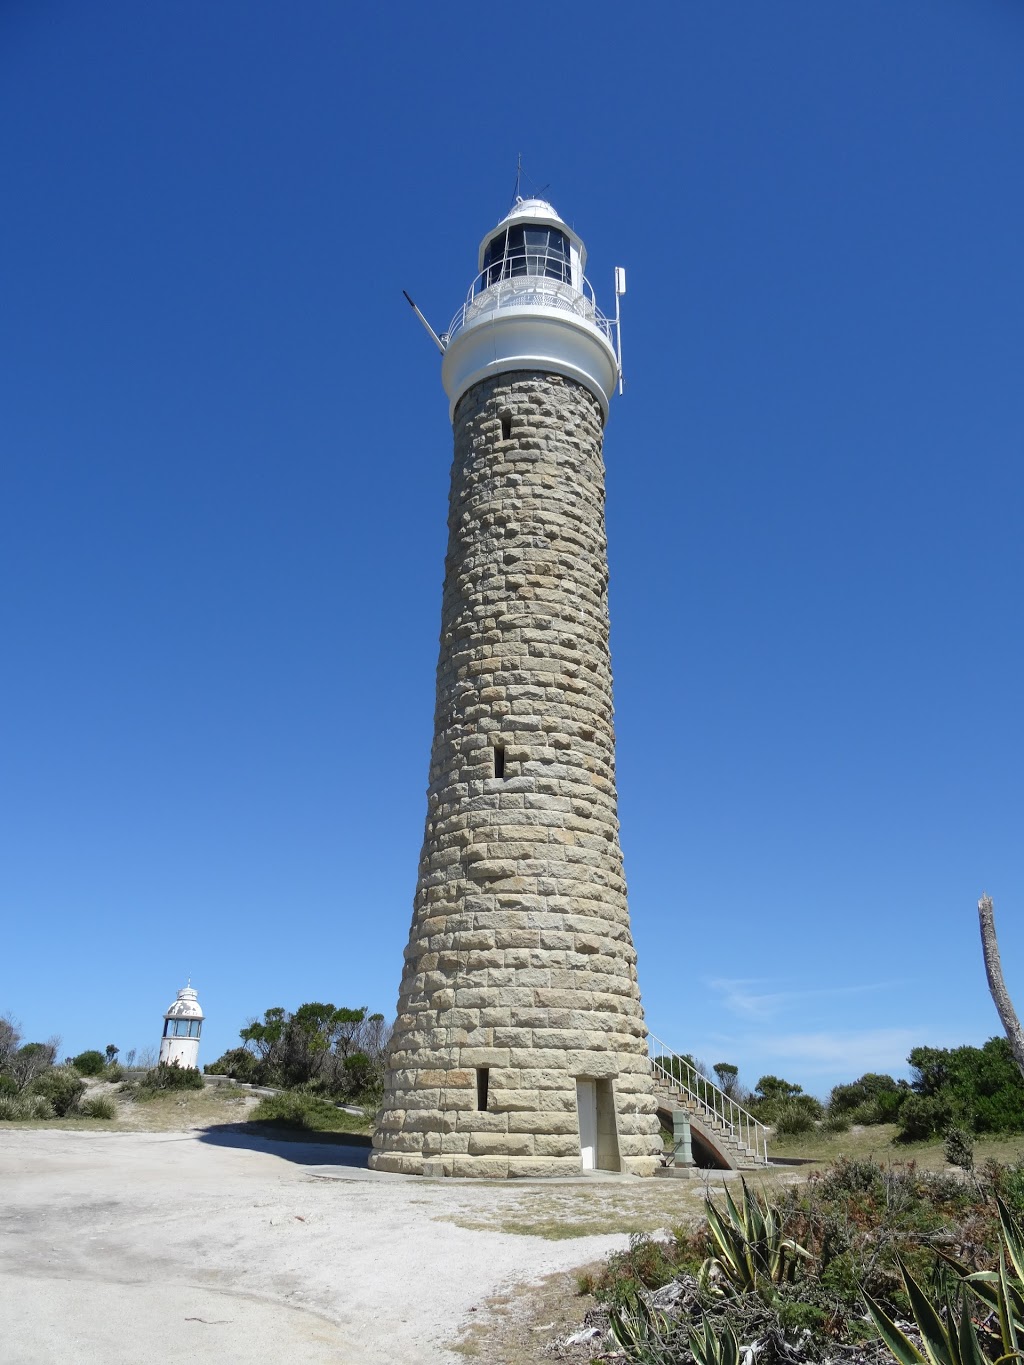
(128, 1247)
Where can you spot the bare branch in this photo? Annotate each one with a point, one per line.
(994, 972)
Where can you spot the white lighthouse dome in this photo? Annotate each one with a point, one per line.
(531, 308)
(185, 1006)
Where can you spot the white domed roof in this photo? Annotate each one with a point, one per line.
(186, 1006)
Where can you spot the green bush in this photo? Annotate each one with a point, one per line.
(924, 1116)
(958, 1146)
(793, 1119)
(13, 1107)
(648, 1264)
(982, 1087)
(872, 1099)
(8, 1085)
(298, 1109)
(89, 1063)
(1007, 1182)
(98, 1107)
(164, 1077)
(62, 1086)
(114, 1072)
(238, 1063)
(832, 1124)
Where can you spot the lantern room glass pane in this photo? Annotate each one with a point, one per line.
(528, 250)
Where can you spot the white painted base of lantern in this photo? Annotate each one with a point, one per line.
(530, 338)
(183, 1052)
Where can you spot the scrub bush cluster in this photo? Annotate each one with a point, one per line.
(792, 1274)
(33, 1086)
(322, 1049)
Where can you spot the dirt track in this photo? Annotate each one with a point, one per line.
(127, 1248)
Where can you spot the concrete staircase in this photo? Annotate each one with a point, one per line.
(723, 1133)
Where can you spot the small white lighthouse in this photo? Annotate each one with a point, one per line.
(183, 1023)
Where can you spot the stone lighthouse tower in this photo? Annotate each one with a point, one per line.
(183, 1023)
(520, 1042)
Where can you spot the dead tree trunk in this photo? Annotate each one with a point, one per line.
(996, 984)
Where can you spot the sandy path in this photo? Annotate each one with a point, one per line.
(126, 1248)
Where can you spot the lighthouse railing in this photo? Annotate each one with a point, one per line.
(679, 1074)
(519, 291)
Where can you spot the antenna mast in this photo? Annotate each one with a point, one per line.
(436, 339)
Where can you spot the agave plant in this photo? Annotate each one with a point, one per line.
(997, 1288)
(642, 1333)
(948, 1339)
(951, 1338)
(711, 1348)
(751, 1247)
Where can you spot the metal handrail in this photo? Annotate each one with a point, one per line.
(523, 290)
(709, 1099)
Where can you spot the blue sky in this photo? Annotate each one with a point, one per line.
(224, 455)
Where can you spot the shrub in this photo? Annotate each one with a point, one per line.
(982, 1086)
(98, 1107)
(792, 1119)
(13, 1107)
(114, 1072)
(295, 1109)
(89, 1063)
(648, 1264)
(238, 1063)
(31, 1061)
(8, 1085)
(865, 1091)
(62, 1086)
(164, 1077)
(1007, 1182)
(958, 1146)
(832, 1124)
(924, 1116)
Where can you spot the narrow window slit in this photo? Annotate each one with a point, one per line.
(499, 761)
(506, 425)
(483, 1077)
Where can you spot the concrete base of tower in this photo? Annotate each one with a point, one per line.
(518, 1143)
(501, 1168)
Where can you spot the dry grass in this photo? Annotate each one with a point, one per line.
(877, 1141)
(166, 1112)
(558, 1212)
(516, 1328)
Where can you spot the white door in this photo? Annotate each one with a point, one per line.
(586, 1104)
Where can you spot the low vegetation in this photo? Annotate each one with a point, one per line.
(876, 1260)
(962, 1095)
(310, 1113)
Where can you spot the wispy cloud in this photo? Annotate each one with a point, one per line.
(850, 1053)
(748, 998)
(816, 1059)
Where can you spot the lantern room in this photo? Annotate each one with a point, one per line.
(531, 307)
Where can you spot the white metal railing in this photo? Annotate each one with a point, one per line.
(524, 290)
(678, 1073)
